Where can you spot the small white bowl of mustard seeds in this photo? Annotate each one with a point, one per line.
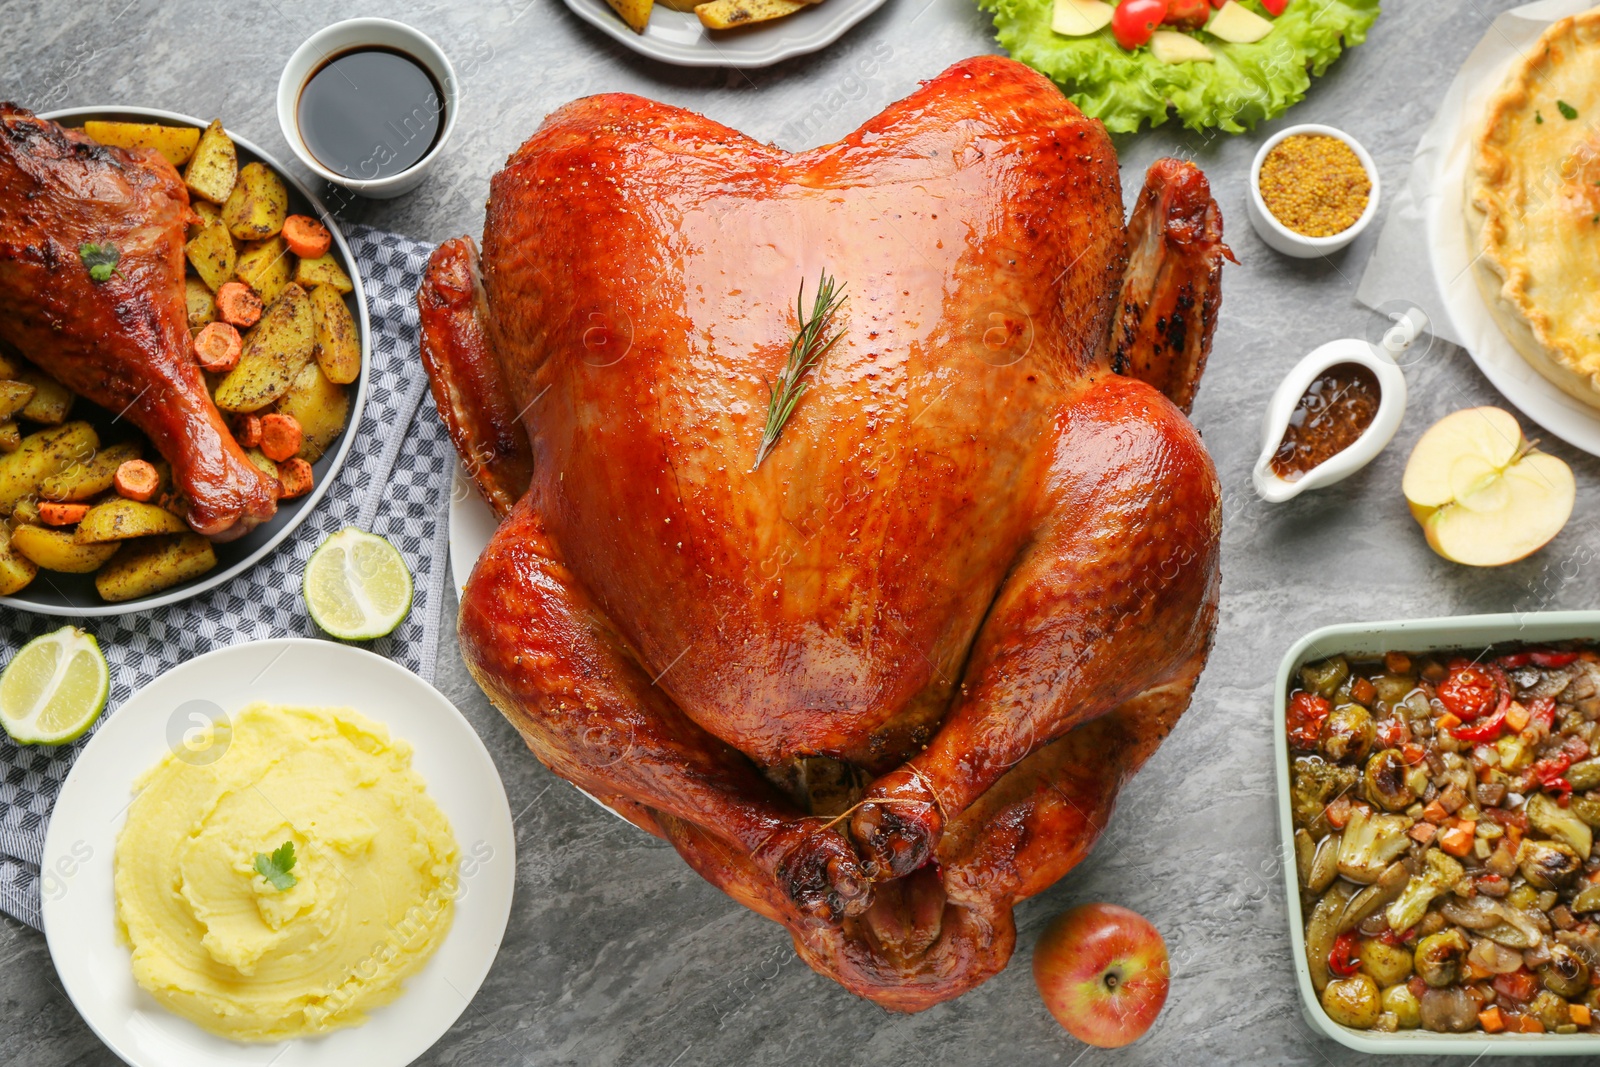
(1313, 189)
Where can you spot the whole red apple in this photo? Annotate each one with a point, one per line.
(1102, 971)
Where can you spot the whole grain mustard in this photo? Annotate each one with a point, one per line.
(1314, 184)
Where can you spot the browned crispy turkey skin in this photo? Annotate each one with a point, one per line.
(888, 683)
(124, 342)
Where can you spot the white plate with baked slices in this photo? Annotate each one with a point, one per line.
(1542, 224)
(672, 33)
(167, 835)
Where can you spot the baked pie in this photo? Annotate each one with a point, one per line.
(1534, 206)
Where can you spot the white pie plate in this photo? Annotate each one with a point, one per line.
(79, 907)
(678, 37)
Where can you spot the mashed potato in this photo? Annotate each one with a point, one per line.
(375, 876)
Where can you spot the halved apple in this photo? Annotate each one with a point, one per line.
(1080, 18)
(1170, 46)
(1237, 24)
(1483, 494)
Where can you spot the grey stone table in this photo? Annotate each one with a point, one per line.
(616, 952)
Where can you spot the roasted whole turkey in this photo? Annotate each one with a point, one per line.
(887, 683)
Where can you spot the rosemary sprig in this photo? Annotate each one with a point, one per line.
(810, 344)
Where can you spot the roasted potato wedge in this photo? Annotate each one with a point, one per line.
(263, 464)
(57, 550)
(338, 348)
(266, 267)
(153, 564)
(324, 270)
(319, 406)
(88, 479)
(212, 254)
(14, 396)
(201, 303)
(50, 401)
(10, 437)
(275, 350)
(205, 212)
(636, 13)
(258, 204)
(118, 519)
(10, 366)
(41, 455)
(214, 166)
(177, 143)
(726, 14)
(16, 570)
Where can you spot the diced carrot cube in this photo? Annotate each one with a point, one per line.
(1397, 662)
(1435, 813)
(1491, 1020)
(1446, 721)
(1579, 1013)
(1527, 1024)
(1456, 841)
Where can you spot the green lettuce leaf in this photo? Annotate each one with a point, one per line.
(1246, 84)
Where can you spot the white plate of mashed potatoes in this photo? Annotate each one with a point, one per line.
(287, 852)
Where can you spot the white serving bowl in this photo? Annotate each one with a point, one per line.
(1279, 236)
(366, 33)
(1374, 639)
(1377, 435)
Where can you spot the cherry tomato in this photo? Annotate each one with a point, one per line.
(1306, 712)
(1274, 7)
(1187, 14)
(1135, 20)
(1344, 959)
(1468, 692)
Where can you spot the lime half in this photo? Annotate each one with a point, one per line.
(357, 586)
(55, 688)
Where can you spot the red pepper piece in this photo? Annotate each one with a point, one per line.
(1542, 713)
(1562, 790)
(1520, 985)
(1552, 659)
(1343, 958)
(1487, 730)
(1515, 660)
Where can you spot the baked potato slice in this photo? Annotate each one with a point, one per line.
(727, 14)
(50, 401)
(338, 347)
(86, 480)
(324, 270)
(320, 406)
(118, 519)
(636, 13)
(258, 204)
(275, 350)
(202, 305)
(41, 455)
(58, 550)
(16, 570)
(261, 462)
(14, 396)
(176, 143)
(153, 564)
(212, 254)
(214, 166)
(265, 266)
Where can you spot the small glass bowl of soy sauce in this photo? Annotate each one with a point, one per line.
(368, 104)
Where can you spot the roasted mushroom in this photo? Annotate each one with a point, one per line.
(1385, 781)
(1547, 864)
(1347, 732)
(1439, 957)
(1566, 973)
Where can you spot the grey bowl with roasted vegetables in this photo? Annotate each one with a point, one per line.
(1439, 786)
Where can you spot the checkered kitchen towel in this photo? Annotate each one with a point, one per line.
(395, 482)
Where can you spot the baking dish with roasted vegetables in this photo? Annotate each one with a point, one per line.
(1443, 805)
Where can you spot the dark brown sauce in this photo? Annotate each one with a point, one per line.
(1336, 410)
(370, 113)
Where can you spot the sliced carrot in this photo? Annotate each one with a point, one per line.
(1517, 717)
(217, 346)
(306, 237)
(137, 479)
(280, 436)
(296, 476)
(52, 513)
(1579, 1014)
(1491, 1020)
(247, 430)
(238, 305)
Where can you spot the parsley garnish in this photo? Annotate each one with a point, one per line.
(276, 867)
(1538, 118)
(1568, 112)
(101, 259)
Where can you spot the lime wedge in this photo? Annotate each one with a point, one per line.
(357, 586)
(54, 689)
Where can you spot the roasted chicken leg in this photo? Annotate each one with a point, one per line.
(887, 683)
(124, 342)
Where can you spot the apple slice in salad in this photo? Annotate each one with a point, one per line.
(1166, 26)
